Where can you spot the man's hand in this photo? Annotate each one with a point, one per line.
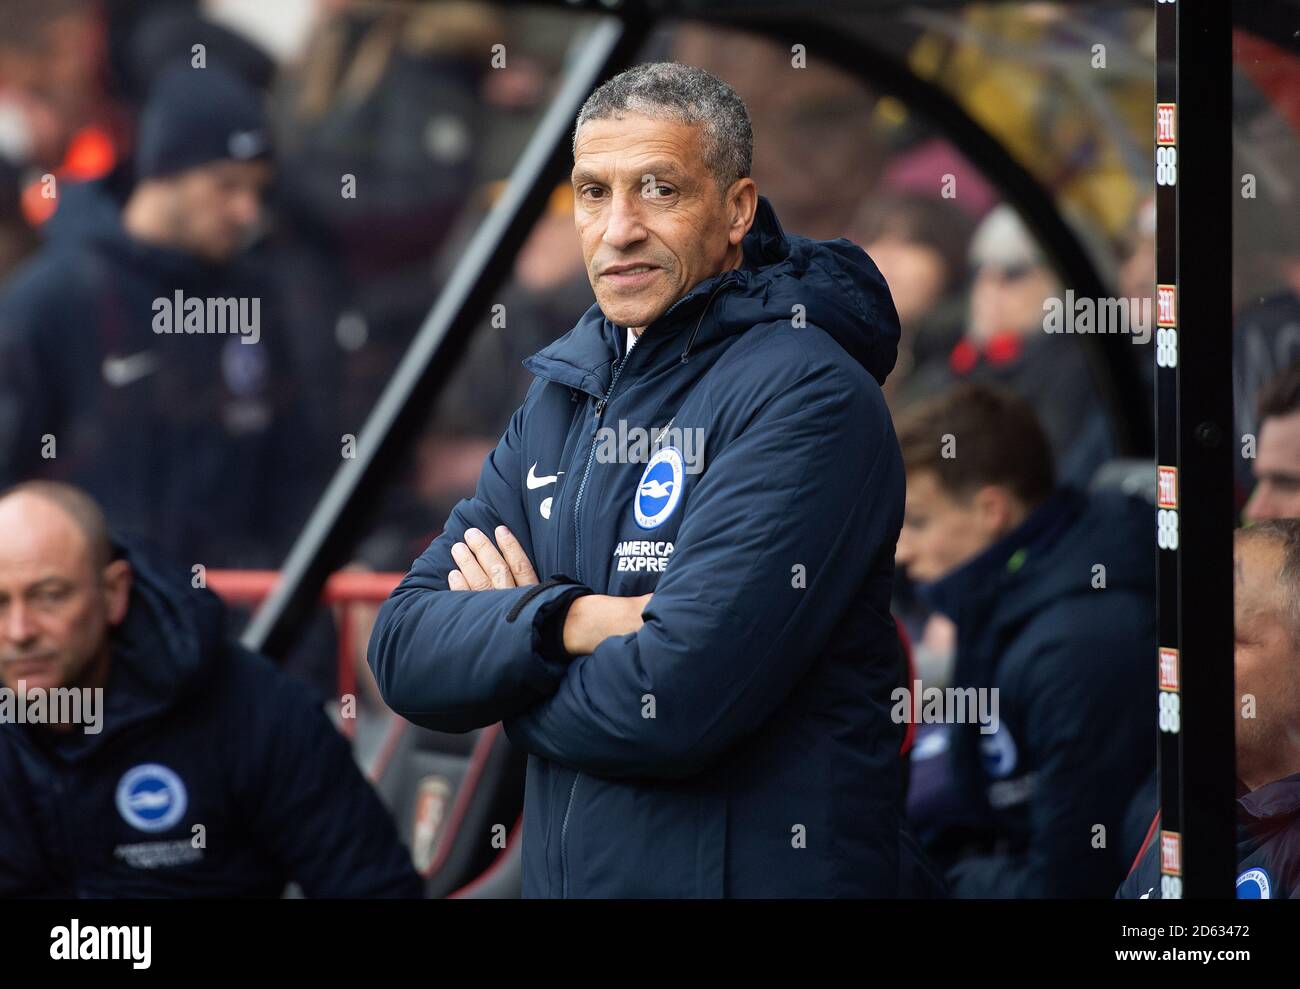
(593, 618)
(482, 568)
(590, 620)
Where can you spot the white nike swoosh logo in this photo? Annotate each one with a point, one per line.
(122, 371)
(534, 481)
(245, 144)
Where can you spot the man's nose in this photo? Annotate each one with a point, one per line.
(246, 208)
(18, 627)
(903, 550)
(1258, 507)
(623, 224)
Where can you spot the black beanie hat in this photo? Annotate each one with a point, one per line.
(197, 115)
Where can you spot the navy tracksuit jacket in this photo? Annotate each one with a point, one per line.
(196, 731)
(740, 743)
(1070, 657)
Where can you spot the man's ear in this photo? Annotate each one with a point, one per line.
(117, 591)
(997, 509)
(742, 204)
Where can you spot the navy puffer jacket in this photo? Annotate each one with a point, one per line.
(740, 743)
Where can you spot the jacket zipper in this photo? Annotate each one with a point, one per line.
(564, 833)
(601, 405)
(591, 456)
(577, 542)
(604, 401)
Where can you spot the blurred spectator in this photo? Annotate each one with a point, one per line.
(919, 245)
(140, 354)
(191, 767)
(73, 76)
(922, 165)
(1267, 661)
(52, 61)
(58, 120)
(1005, 343)
(1053, 595)
(1266, 342)
(1276, 466)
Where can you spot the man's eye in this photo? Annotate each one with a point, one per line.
(592, 192)
(659, 191)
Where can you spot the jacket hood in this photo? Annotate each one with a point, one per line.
(165, 265)
(86, 209)
(90, 214)
(1050, 556)
(837, 285)
(160, 655)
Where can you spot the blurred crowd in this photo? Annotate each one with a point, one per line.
(153, 149)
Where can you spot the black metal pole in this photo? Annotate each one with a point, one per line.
(335, 522)
(1195, 444)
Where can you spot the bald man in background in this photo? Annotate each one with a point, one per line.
(1266, 660)
(209, 772)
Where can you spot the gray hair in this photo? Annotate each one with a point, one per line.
(1285, 535)
(672, 91)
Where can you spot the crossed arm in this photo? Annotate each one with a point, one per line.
(589, 620)
(810, 484)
